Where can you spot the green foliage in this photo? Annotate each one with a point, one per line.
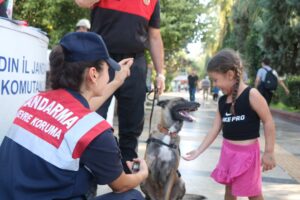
(179, 22)
(55, 17)
(266, 28)
(293, 99)
(281, 34)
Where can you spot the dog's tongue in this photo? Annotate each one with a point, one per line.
(187, 116)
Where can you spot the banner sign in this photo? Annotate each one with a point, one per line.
(23, 67)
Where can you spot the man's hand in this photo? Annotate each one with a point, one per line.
(160, 83)
(86, 3)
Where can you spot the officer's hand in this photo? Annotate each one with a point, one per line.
(121, 75)
(143, 168)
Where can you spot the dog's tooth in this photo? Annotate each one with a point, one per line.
(194, 118)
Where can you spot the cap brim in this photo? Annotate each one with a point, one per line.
(113, 64)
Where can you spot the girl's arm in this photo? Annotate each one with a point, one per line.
(260, 106)
(208, 140)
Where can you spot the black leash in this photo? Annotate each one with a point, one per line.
(152, 107)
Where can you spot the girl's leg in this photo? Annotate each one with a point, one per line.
(228, 195)
(260, 197)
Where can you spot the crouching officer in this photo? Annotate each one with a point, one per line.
(56, 145)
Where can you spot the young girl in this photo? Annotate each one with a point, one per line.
(239, 113)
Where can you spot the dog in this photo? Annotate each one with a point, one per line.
(162, 153)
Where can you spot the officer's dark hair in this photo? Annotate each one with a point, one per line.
(68, 74)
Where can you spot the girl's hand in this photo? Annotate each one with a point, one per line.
(121, 75)
(191, 155)
(268, 161)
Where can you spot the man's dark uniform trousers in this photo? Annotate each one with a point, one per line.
(123, 24)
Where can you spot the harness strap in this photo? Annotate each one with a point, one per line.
(173, 146)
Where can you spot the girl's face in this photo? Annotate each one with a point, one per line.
(224, 81)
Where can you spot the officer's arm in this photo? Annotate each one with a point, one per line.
(119, 79)
(86, 3)
(127, 182)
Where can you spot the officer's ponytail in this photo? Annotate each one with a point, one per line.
(67, 74)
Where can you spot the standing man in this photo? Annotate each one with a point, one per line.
(261, 77)
(128, 27)
(193, 83)
(205, 86)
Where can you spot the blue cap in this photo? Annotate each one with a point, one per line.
(86, 46)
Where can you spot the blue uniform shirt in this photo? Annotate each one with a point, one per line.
(26, 176)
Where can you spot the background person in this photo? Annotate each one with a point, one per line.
(59, 145)
(260, 79)
(215, 92)
(193, 84)
(205, 86)
(83, 25)
(128, 31)
(239, 114)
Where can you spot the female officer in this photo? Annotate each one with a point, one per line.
(57, 146)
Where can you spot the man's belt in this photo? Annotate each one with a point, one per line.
(119, 56)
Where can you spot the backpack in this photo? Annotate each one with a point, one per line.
(271, 81)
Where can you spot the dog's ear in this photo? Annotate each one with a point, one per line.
(163, 103)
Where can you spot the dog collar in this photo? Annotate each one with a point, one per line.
(166, 131)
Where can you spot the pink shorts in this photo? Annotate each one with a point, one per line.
(239, 167)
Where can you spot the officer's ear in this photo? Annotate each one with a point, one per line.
(92, 74)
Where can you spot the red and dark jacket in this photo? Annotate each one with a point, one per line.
(124, 24)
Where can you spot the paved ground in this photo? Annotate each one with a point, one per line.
(282, 183)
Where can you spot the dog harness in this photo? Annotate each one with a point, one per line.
(172, 146)
(149, 140)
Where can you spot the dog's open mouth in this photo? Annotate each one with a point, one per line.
(187, 116)
(183, 111)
